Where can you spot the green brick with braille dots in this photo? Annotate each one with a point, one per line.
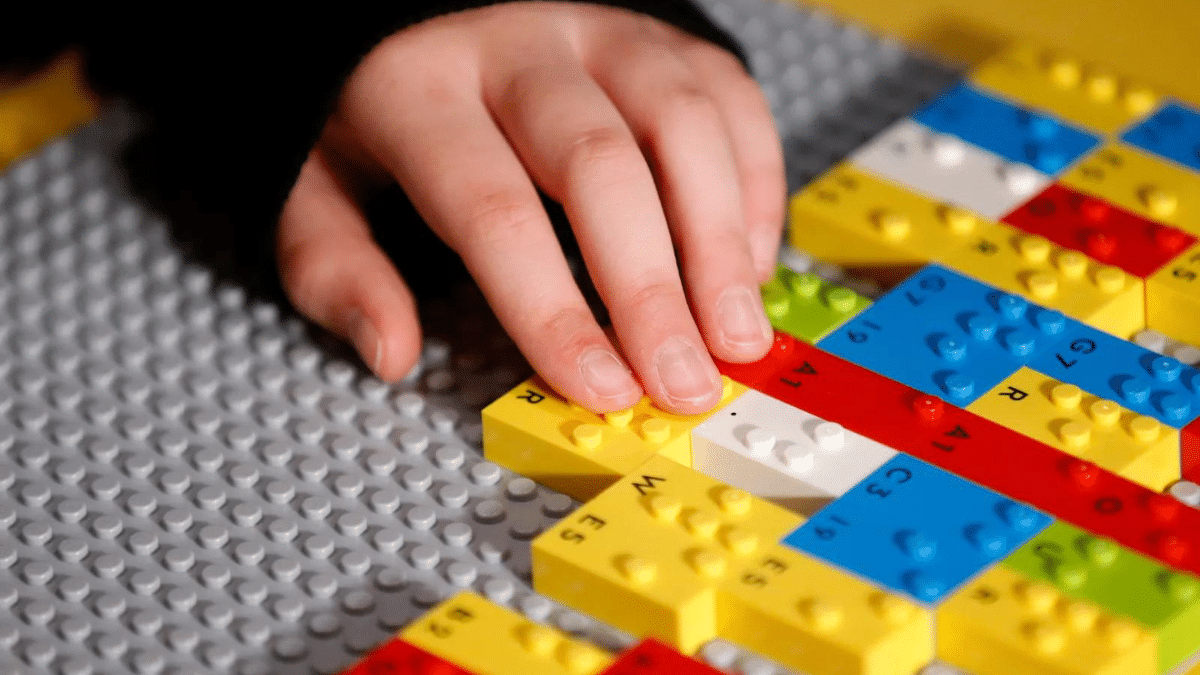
(806, 306)
(1164, 601)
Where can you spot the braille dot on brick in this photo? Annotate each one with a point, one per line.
(216, 616)
(413, 442)
(521, 489)
(485, 474)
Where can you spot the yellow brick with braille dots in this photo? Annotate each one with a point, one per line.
(647, 553)
(538, 434)
(1004, 623)
(815, 618)
(673, 554)
(1059, 278)
(1173, 298)
(874, 228)
(1140, 182)
(1135, 446)
(486, 639)
(1085, 93)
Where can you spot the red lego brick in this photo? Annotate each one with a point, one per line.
(982, 451)
(398, 657)
(1189, 441)
(755, 375)
(1102, 230)
(651, 657)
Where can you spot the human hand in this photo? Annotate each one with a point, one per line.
(653, 140)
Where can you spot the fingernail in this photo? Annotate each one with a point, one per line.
(685, 375)
(604, 375)
(743, 322)
(365, 339)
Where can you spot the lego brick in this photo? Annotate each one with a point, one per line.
(397, 657)
(874, 228)
(1186, 492)
(1088, 94)
(486, 639)
(916, 529)
(770, 449)
(817, 619)
(1131, 445)
(1189, 451)
(675, 555)
(808, 307)
(49, 104)
(631, 556)
(955, 337)
(1056, 278)
(782, 357)
(1142, 183)
(1173, 298)
(651, 657)
(535, 432)
(1104, 231)
(1164, 602)
(965, 444)
(1003, 623)
(1037, 138)
(1172, 132)
(1168, 346)
(1121, 371)
(949, 170)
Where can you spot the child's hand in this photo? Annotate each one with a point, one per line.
(654, 142)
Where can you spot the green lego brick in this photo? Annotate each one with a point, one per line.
(1097, 570)
(808, 307)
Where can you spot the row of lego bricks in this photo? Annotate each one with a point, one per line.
(671, 553)
(467, 634)
(1118, 404)
(1026, 201)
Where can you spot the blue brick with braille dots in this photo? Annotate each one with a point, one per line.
(1135, 377)
(1172, 132)
(917, 529)
(947, 334)
(1046, 143)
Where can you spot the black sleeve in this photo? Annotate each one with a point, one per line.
(241, 100)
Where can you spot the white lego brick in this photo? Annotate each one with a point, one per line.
(949, 170)
(769, 448)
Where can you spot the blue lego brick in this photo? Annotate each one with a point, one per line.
(1139, 379)
(947, 334)
(1018, 134)
(1172, 132)
(918, 529)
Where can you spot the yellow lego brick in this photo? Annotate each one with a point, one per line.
(670, 553)
(1173, 298)
(1086, 93)
(50, 104)
(1147, 185)
(815, 618)
(645, 555)
(874, 228)
(1135, 446)
(1003, 623)
(538, 434)
(486, 639)
(1069, 281)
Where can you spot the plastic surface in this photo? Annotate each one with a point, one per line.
(956, 337)
(1056, 278)
(949, 170)
(1172, 132)
(651, 657)
(670, 553)
(1037, 138)
(1173, 298)
(1140, 182)
(1131, 375)
(1004, 623)
(1163, 601)
(1089, 94)
(778, 452)
(808, 307)
(1106, 232)
(914, 528)
(397, 657)
(1131, 445)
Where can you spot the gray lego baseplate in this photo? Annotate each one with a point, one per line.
(197, 482)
